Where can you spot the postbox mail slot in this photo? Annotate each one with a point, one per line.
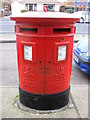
(61, 30)
(32, 30)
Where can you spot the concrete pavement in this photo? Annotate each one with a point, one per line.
(78, 37)
(10, 95)
(80, 97)
(7, 38)
(79, 109)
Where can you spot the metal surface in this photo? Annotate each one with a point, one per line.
(45, 32)
(45, 74)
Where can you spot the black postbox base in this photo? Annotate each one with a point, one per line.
(44, 102)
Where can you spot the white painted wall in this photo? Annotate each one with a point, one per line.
(39, 7)
(16, 7)
(1, 5)
(57, 7)
(23, 5)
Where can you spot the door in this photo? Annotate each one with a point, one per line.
(58, 64)
(31, 62)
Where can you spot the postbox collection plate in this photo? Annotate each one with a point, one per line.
(61, 53)
(28, 53)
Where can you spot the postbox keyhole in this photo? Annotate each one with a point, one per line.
(40, 61)
(49, 61)
(62, 38)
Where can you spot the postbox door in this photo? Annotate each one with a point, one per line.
(31, 60)
(58, 64)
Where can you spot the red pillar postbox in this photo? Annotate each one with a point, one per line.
(44, 52)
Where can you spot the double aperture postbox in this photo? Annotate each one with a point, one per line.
(44, 52)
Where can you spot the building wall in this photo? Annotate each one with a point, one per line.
(1, 5)
(1, 8)
(16, 7)
(80, 4)
(57, 7)
(39, 7)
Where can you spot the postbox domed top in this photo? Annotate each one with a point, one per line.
(45, 17)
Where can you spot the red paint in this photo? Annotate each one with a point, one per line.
(44, 74)
(45, 8)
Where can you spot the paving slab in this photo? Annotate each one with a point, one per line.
(11, 110)
(7, 37)
(78, 77)
(0, 101)
(80, 97)
(78, 37)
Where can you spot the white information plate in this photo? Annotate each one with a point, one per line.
(61, 53)
(28, 53)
